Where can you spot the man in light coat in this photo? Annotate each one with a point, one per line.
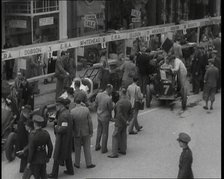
(104, 106)
(83, 131)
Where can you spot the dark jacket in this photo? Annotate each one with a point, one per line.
(38, 141)
(63, 132)
(185, 163)
(211, 76)
(123, 112)
(60, 68)
(22, 134)
(142, 62)
(196, 67)
(82, 121)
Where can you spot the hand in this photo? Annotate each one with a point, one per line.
(28, 165)
(20, 152)
(67, 73)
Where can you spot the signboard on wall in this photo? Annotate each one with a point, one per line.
(18, 24)
(90, 21)
(46, 21)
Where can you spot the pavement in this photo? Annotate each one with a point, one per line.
(153, 152)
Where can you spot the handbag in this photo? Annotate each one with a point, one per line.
(139, 104)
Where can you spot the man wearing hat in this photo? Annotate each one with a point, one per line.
(37, 155)
(186, 158)
(22, 134)
(210, 84)
(63, 142)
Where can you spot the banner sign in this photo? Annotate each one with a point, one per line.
(18, 24)
(135, 13)
(34, 49)
(90, 24)
(136, 19)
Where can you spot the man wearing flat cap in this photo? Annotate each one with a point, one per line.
(186, 158)
(210, 84)
(38, 157)
(63, 142)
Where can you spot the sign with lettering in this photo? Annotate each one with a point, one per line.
(90, 24)
(136, 19)
(90, 17)
(18, 24)
(90, 41)
(46, 21)
(159, 30)
(135, 13)
(31, 51)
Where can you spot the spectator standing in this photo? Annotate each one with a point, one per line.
(104, 108)
(123, 114)
(37, 155)
(63, 143)
(142, 63)
(210, 80)
(178, 49)
(196, 71)
(217, 64)
(186, 158)
(61, 73)
(134, 94)
(129, 71)
(83, 131)
(104, 75)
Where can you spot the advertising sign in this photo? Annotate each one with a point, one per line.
(46, 21)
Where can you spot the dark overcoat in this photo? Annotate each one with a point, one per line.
(185, 163)
(63, 132)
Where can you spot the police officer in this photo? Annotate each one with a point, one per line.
(186, 158)
(38, 157)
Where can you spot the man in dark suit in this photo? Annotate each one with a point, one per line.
(83, 131)
(104, 106)
(186, 158)
(63, 143)
(60, 73)
(210, 84)
(37, 155)
(123, 114)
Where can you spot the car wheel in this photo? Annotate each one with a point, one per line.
(10, 146)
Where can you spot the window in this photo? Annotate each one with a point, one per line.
(45, 6)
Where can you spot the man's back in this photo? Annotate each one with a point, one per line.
(104, 106)
(211, 76)
(82, 125)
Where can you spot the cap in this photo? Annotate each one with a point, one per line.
(37, 118)
(167, 45)
(63, 101)
(183, 137)
(214, 51)
(29, 123)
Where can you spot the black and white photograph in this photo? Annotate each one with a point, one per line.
(111, 89)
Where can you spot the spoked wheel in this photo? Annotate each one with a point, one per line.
(10, 146)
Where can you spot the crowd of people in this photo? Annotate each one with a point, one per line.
(73, 126)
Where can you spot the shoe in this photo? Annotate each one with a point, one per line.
(123, 153)
(97, 148)
(103, 152)
(132, 133)
(205, 107)
(51, 176)
(91, 166)
(68, 173)
(112, 156)
(76, 166)
(211, 108)
(140, 127)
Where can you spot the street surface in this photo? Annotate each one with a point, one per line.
(153, 152)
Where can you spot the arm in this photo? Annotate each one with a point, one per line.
(206, 76)
(62, 125)
(30, 149)
(176, 65)
(139, 94)
(49, 147)
(90, 124)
